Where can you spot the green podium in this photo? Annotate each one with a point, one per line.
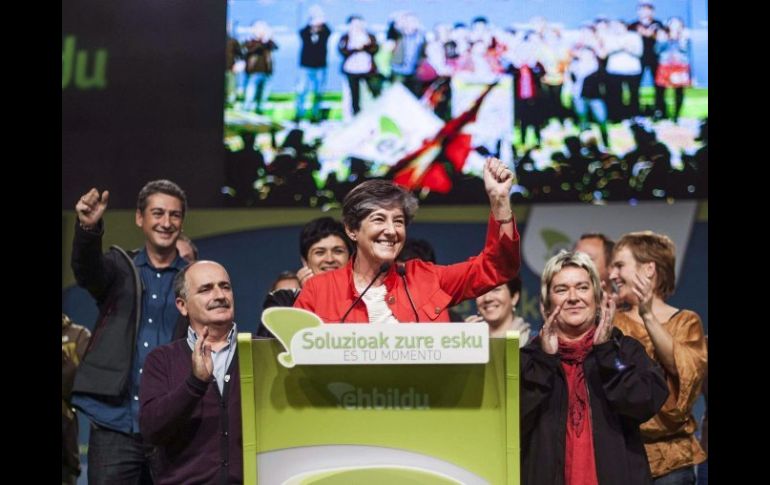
(379, 424)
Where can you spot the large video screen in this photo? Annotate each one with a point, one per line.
(587, 101)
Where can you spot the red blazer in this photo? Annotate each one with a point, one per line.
(434, 288)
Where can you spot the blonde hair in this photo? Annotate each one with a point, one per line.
(560, 261)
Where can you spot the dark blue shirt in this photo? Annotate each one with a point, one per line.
(156, 327)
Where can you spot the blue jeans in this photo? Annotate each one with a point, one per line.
(598, 109)
(680, 476)
(257, 91)
(313, 79)
(703, 473)
(240, 84)
(119, 458)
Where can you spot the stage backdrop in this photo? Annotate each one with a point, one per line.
(143, 88)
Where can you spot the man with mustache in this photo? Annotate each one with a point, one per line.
(190, 397)
(134, 293)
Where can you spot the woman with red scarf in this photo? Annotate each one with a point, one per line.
(585, 387)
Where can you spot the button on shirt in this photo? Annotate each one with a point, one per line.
(156, 327)
(376, 308)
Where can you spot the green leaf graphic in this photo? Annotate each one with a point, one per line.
(387, 125)
(284, 323)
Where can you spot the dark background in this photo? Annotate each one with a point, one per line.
(160, 115)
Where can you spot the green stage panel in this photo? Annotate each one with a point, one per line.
(426, 424)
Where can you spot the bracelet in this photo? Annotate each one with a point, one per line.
(506, 220)
(86, 228)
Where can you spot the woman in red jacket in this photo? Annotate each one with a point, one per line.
(372, 288)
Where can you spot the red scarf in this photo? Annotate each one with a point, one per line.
(579, 464)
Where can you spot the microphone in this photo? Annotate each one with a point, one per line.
(383, 269)
(401, 270)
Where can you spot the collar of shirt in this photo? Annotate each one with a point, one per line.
(141, 259)
(220, 364)
(390, 280)
(192, 337)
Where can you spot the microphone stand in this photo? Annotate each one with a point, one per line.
(383, 269)
(401, 270)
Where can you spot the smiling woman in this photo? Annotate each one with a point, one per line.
(585, 387)
(497, 308)
(643, 270)
(372, 288)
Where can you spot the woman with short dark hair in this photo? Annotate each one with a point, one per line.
(372, 288)
(497, 308)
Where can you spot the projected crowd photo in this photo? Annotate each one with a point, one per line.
(584, 101)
